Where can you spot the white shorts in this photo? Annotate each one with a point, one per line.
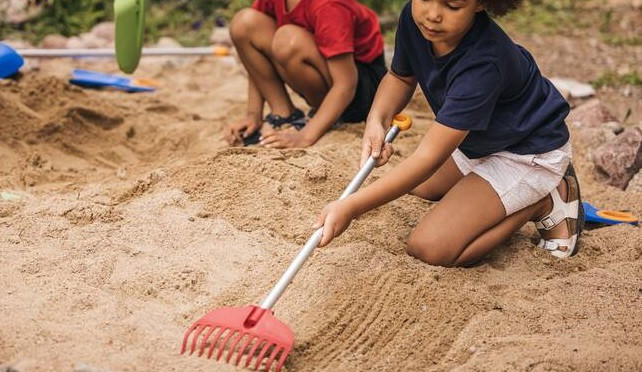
(519, 180)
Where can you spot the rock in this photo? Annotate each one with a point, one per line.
(167, 61)
(104, 30)
(621, 158)
(167, 42)
(75, 43)
(573, 87)
(17, 44)
(90, 40)
(221, 36)
(18, 11)
(54, 41)
(635, 185)
(594, 137)
(594, 123)
(613, 127)
(82, 367)
(589, 115)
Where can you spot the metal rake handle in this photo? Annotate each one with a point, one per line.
(400, 122)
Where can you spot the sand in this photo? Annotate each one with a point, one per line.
(132, 218)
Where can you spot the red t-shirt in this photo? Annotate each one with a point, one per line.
(338, 26)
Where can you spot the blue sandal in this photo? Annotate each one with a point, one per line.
(296, 119)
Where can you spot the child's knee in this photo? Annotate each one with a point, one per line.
(242, 24)
(430, 250)
(288, 42)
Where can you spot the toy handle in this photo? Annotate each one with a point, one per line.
(400, 122)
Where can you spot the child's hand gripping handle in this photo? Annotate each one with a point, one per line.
(400, 123)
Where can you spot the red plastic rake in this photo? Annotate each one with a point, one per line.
(253, 332)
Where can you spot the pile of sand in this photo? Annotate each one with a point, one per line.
(134, 219)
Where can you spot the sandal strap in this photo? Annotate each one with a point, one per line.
(553, 245)
(277, 121)
(561, 211)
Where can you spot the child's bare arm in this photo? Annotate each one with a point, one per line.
(392, 96)
(436, 146)
(344, 75)
(253, 119)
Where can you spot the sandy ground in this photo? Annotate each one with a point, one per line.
(133, 219)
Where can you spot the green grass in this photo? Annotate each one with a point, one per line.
(613, 79)
(179, 18)
(547, 17)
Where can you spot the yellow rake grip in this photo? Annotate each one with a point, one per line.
(221, 51)
(402, 121)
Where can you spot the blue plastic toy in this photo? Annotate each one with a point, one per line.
(94, 79)
(10, 61)
(608, 217)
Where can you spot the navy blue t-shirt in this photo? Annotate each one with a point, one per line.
(487, 85)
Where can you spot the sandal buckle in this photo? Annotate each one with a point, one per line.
(548, 223)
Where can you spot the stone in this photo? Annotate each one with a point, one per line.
(635, 185)
(18, 11)
(589, 115)
(54, 41)
(621, 158)
(90, 40)
(17, 44)
(104, 30)
(221, 36)
(593, 124)
(82, 367)
(594, 137)
(573, 87)
(167, 42)
(75, 43)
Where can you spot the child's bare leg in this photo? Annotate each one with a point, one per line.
(470, 222)
(252, 33)
(300, 64)
(468, 210)
(440, 183)
(497, 234)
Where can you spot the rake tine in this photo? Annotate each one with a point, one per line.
(214, 341)
(251, 355)
(273, 355)
(189, 331)
(221, 348)
(199, 330)
(262, 355)
(204, 342)
(233, 346)
(242, 349)
(284, 355)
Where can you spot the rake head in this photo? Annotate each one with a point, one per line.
(236, 332)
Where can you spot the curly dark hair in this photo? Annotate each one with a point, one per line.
(499, 8)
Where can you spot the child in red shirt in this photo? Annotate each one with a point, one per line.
(328, 51)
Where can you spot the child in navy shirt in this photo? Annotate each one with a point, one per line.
(330, 52)
(499, 153)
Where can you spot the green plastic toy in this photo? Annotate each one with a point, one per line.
(129, 19)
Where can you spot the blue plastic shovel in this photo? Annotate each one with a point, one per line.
(94, 79)
(608, 217)
(10, 61)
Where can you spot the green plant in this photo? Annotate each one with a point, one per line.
(547, 17)
(613, 79)
(68, 18)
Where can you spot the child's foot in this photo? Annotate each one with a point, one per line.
(561, 219)
(271, 123)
